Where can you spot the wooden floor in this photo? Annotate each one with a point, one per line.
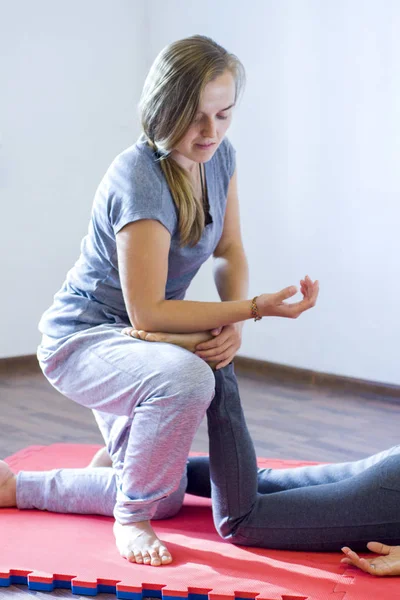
(286, 421)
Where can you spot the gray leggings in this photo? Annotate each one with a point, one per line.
(319, 508)
(308, 508)
(148, 400)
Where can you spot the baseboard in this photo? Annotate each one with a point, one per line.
(268, 371)
(251, 367)
(19, 365)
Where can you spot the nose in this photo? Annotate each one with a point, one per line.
(209, 130)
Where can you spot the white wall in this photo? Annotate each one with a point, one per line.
(70, 75)
(317, 135)
(318, 139)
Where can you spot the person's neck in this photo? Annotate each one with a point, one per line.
(189, 165)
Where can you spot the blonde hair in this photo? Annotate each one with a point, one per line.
(168, 105)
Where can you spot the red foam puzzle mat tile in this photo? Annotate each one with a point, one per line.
(47, 550)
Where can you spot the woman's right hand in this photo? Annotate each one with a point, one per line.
(273, 305)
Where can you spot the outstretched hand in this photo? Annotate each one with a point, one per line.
(386, 565)
(274, 305)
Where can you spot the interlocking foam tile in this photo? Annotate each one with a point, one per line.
(47, 551)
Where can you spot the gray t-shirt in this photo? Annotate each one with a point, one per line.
(133, 188)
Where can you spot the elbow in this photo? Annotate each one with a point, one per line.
(145, 318)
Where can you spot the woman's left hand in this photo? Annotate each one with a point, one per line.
(223, 347)
(388, 564)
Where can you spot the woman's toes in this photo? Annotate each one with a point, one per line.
(146, 558)
(155, 558)
(138, 557)
(166, 558)
(164, 555)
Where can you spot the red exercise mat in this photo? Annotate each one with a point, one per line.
(48, 550)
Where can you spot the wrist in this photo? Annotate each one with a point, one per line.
(255, 313)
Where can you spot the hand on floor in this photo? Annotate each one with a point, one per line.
(384, 566)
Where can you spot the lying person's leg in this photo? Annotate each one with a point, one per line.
(78, 491)
(268, 480)
(323, 517)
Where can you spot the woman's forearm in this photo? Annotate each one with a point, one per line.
(185, 316)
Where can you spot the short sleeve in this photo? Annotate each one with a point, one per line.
(135, 191)
(122, 214)
(230, 153)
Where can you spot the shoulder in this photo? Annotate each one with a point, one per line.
(226, 156)
(134, 188)
(133, 171)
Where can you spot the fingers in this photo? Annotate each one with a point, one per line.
(379, 548)
(372, 566)
(352, 558)
(215, 353)
(306, 287)
(303, 287)
(310, 292)
(224, 363)
(314, 294)
(224, 358)
(216, 331)
(216, 341)
(211, 344)
(286, 293)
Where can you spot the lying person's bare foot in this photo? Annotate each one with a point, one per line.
(138, 543)
(189, 341)
(8, 486)
(100, 459)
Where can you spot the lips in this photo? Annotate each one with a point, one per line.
(205, 145)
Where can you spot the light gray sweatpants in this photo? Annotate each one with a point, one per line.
(148, 400)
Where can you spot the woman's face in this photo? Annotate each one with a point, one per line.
(209, 126)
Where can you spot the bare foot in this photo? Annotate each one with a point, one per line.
(8, 486)
(100, 459)
(138, 543)
(189, 341)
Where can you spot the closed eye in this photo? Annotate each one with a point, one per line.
(219, 117)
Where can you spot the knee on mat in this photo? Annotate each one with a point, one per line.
(234, 533)
(240, 539)
(226, 529)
